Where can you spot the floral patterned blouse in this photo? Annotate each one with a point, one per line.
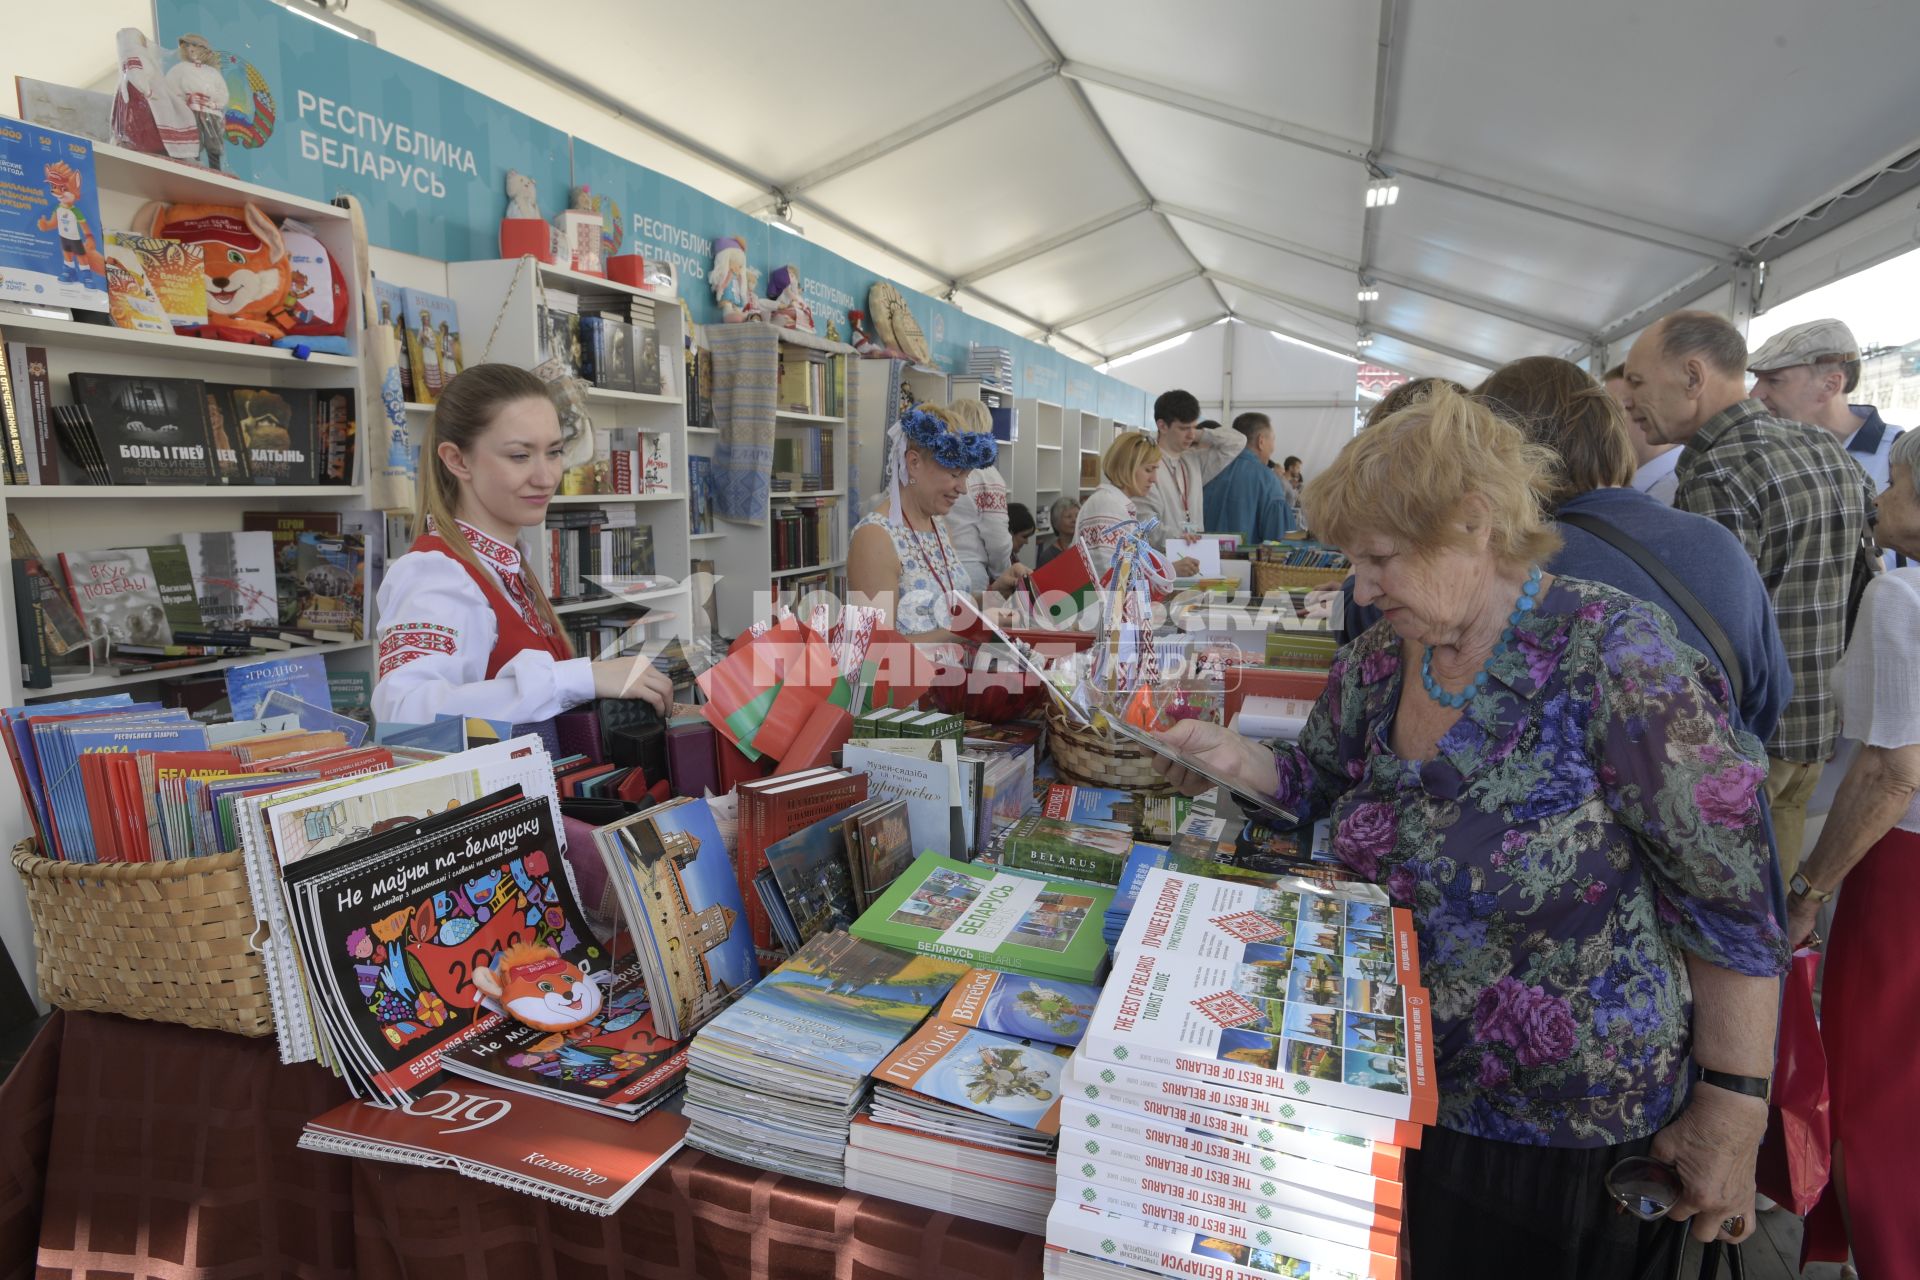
(929, 568)
(1591, 817)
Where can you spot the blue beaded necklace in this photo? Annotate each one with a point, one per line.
(1521, 608)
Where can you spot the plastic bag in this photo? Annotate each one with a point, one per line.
(1797, 1155)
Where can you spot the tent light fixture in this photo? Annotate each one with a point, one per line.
(1368, 293)
(332, 15)
(1382, 192)
(1364, 340)
(782, 217)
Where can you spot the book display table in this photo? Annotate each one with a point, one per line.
(146, 1149)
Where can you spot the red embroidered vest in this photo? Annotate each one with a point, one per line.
(513, 633)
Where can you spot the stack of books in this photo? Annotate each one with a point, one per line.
(1247, 1088)
(992, 365)
(965, 1114)
(776, 1080)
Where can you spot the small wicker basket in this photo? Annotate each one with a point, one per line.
(165, 941)
(1095, 758)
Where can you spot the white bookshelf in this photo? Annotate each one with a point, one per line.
(742, 554)
(76, 516)
(501, 298)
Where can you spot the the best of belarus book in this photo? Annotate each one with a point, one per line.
(1090, 1225)
(1045, 928)
(1305, 1010)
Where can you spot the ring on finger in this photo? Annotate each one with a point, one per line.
(1735, 1225)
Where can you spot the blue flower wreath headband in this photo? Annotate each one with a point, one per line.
(954, 450)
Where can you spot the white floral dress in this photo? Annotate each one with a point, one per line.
(929, 568)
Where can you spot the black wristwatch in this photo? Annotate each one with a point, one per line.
(1752, 1086)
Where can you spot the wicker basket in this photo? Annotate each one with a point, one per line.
(1090, 758)
(166, 941)
(1268, 578)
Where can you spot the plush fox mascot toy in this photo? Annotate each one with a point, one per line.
(537, 986)
(249, 276)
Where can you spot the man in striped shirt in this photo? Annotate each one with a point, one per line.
(1793, 497)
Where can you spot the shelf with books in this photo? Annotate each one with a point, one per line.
(192, 492)
(105, 337)
(591, 499)
(808, 568)
(624, 599)
(818, 418)
(70, 686)
(607, 395)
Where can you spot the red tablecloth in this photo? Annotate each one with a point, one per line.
(134, 1149)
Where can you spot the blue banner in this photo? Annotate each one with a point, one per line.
(670, 221)
(314, 113)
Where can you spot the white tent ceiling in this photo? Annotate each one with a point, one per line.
(1115, 173)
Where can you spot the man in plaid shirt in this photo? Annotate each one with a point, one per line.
(1792, 496)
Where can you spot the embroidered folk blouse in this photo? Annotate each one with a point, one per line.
(929, 568)
(437, 637)
(1589, 820)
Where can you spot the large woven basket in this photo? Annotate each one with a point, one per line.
(165, 941)
(1094, 758)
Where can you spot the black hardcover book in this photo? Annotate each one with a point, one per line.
(76, 441)
(274, 431)
(223, 437)
(31, 627)
(336, 435)
(147, 430)
(647, 375)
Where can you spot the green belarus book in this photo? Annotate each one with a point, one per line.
(1042, 928)
(1055, 846)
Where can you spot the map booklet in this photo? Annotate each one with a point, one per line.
(1044, 1009)
(1250, 987)
(587, 1162)
(1042, 928)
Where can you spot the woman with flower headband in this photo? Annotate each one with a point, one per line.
(901, 558)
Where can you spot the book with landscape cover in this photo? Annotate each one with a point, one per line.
(616, 1063)
(1044, 1009)
(1076, 850)
(589, 1162)
(118, 595)
(146, 430)
(304, 676)
(810, 868)
(1048, 929)
(925, 772)
(1013, 1080)
(684, 910)
(882, 848)
(840, 1004)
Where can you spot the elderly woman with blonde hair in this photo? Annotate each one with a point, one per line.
(1547, 778)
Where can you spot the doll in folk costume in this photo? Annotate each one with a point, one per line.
(790, 308)
(734, 281)
(149, 115)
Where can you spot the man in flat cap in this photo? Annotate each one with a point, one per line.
(1806, 373)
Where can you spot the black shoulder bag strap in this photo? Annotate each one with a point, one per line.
(1689, 603)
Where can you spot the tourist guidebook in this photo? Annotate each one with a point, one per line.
(1044, 928)
(1044, 1009)
(1283, 990)
(1091, 1220)
(683, 908)
(1011, 1080)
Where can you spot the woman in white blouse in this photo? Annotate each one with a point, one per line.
(464, 628)
(1130, 465)
(978, 520)
(1872, 842)
(902, 558)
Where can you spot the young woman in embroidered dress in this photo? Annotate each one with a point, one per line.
(465, 629)
(902, 558)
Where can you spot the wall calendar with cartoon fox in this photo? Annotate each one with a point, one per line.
(51, 240)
